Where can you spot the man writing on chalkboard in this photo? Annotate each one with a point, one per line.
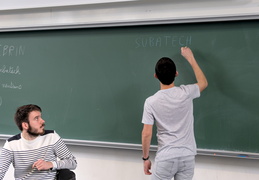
(171, 108)
(35, 153)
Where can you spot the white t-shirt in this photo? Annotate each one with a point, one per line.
(172, 111)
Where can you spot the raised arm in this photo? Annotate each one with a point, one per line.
(200, 77)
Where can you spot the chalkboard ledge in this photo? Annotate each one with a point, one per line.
(224, 153)
(103, 144)
(129, 146)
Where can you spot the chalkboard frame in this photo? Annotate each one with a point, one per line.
(235, 154)
(133, 22)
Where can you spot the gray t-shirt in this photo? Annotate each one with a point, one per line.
(172, 111)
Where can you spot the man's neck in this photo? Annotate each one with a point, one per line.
(27, 136)
(163, 86)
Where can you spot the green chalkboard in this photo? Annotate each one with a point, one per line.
(92, 83)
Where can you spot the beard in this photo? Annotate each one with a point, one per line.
(33, 132)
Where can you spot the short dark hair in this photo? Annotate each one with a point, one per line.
(165, 70)
(22, 114)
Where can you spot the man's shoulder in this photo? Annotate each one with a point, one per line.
(15, 137)
(153, 98)
(18, 136)
(150, 99)
(189, 85)
(192, 89)
(49, 132)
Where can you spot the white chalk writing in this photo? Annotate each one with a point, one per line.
(11, 50)
(10, 70)
(163, 41)
(12, 86)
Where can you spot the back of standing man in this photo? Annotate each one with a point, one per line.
(171, 109)
(35, 153)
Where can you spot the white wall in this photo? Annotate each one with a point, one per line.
(121, 13)
(25, 4)
(118, 164)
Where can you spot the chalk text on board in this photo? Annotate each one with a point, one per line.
(163, 41)
(10, 70)
(11, 85)
(11, 50)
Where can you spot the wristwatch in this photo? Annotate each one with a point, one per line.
(144, 159)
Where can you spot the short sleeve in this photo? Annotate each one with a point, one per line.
(192, 89)
(147, 117)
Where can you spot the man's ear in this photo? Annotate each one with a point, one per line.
(155, 76)
(176, 73)
(25, 125)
